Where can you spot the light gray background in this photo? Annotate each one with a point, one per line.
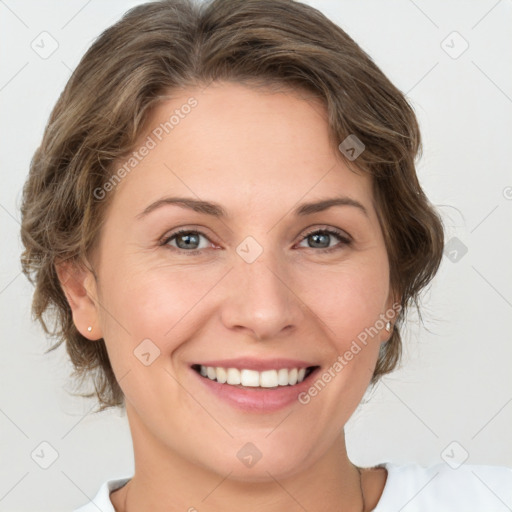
(455, 383)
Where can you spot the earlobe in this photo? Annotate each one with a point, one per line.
(79, 287)
(393, 308)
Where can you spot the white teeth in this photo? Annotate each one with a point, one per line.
(282, 377)
(254, 379)
(268, 379)
(233, 376)
(250, 378)
(222, 376)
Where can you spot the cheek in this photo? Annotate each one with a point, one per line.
(151, 312)
(157, 303)
(348, 302)
(350, 297)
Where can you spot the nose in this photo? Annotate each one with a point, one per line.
(261, 300)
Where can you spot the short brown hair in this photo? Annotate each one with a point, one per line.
(160, 46)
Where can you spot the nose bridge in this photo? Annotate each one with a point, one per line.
(262, 298)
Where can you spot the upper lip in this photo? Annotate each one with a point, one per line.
(257, 364)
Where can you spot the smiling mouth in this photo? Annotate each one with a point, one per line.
(245, 378)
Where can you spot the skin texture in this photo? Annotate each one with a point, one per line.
(258, 154)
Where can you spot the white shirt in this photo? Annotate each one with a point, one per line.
(409, 488)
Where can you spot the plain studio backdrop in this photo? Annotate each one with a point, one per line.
(450, 401)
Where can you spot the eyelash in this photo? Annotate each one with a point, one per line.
(344, 239)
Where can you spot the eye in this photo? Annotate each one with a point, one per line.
(189, 241)
(186, 241)
(321, 239)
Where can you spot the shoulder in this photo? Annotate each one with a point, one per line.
(415, 488)
(102, 499)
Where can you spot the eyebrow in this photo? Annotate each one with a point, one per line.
(216, 210)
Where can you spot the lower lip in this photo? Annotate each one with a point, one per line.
(257, 399)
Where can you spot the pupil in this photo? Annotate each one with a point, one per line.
(189, 239)
(316, 238)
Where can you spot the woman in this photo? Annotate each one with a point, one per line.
(225, 215)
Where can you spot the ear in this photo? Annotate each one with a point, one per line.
(393, 308)
(394, 304)
(79, 286)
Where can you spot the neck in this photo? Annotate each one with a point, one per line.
(165, 481)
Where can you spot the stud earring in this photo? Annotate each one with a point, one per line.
(89, 328)
(388, 326)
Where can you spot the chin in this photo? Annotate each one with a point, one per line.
(259, 460)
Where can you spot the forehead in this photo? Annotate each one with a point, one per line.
(247, 148)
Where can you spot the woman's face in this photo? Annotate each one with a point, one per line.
(259, 287)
